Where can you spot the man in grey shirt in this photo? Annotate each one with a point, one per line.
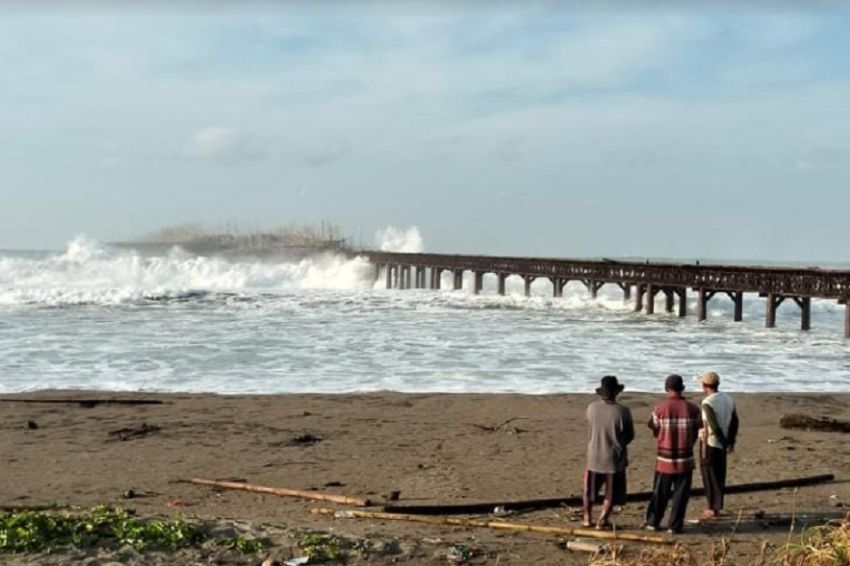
(611, 430)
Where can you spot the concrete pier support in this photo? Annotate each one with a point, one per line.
(593, 286)
(805, 304)
(419, 277)
(562, 283)
(557, 286)
(669, 300)
(772, 303)
(528, 279)
(458, 279)
(738, 300)
(436, 277)
(683, 301)
(389, 276)
(627, 290)
(639, 291)
(502, 278)
(479, 282)
(847, 318)
(651, 291)
(703, 296)
(377, 272)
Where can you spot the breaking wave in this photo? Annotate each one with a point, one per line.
(89, 273)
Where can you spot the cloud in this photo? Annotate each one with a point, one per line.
(224, 145)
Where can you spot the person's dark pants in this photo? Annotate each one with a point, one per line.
(713, 468)
(665, 487)
(615, 492)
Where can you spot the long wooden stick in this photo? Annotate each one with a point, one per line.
(285, 492)
(517, 505)
(498, 525)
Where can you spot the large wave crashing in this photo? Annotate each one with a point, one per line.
(90, 273)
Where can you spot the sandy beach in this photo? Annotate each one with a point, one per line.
(429, 447)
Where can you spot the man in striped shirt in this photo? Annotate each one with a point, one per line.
(675, 424)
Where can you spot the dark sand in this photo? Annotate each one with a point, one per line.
(427, 446)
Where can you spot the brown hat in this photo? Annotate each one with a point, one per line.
(710, 378)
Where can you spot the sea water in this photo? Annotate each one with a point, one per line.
(96, 317)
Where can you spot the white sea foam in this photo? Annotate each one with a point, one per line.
(95, 317)
(405, 240)
(88, 273)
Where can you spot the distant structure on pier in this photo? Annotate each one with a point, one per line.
(284, 242)
(644, 280)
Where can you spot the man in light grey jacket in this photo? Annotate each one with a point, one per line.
(611, 430)
(717, 438)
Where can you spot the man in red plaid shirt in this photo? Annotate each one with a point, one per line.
(675, 424)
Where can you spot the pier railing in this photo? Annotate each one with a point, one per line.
(647, 278)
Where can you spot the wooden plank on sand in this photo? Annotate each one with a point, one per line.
(285, 492)
(497, 525)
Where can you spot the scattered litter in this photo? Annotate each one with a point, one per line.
(306, 439)
(138, 432)
(298, 561)
(179, 502)
(459, 554)
(32, 425)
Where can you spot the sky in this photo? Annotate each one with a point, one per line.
(688, 130)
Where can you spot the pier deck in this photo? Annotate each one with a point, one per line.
(640, 281)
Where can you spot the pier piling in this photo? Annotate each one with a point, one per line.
(651, 291)
(639, 291)
(408, 270)
(458, 279)
(479, 282)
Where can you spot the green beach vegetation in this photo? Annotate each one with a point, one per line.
(46, 531)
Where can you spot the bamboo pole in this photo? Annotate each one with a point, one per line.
(516, 505)
(285, 492)
(496, 525)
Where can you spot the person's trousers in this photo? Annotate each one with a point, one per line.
(614, 485)
(664, 488)
(713, 468)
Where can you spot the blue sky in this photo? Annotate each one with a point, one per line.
(538, 129)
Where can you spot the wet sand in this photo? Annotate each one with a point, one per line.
(429, 447)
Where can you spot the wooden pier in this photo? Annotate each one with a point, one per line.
(642, 282)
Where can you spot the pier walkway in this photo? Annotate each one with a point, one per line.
(639, 281)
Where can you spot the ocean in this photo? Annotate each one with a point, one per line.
(96, 317)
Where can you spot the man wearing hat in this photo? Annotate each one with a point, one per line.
(611, 430)
(675, 424)
(717, 437)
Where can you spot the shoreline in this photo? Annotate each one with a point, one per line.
(431, 447)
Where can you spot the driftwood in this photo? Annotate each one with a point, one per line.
(496, 525)
(87, 403)
(138, 432)
(285, 492)
(805, 422)
(502, 426)
(520, 505)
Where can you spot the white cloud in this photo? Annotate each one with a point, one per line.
(224, 145)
